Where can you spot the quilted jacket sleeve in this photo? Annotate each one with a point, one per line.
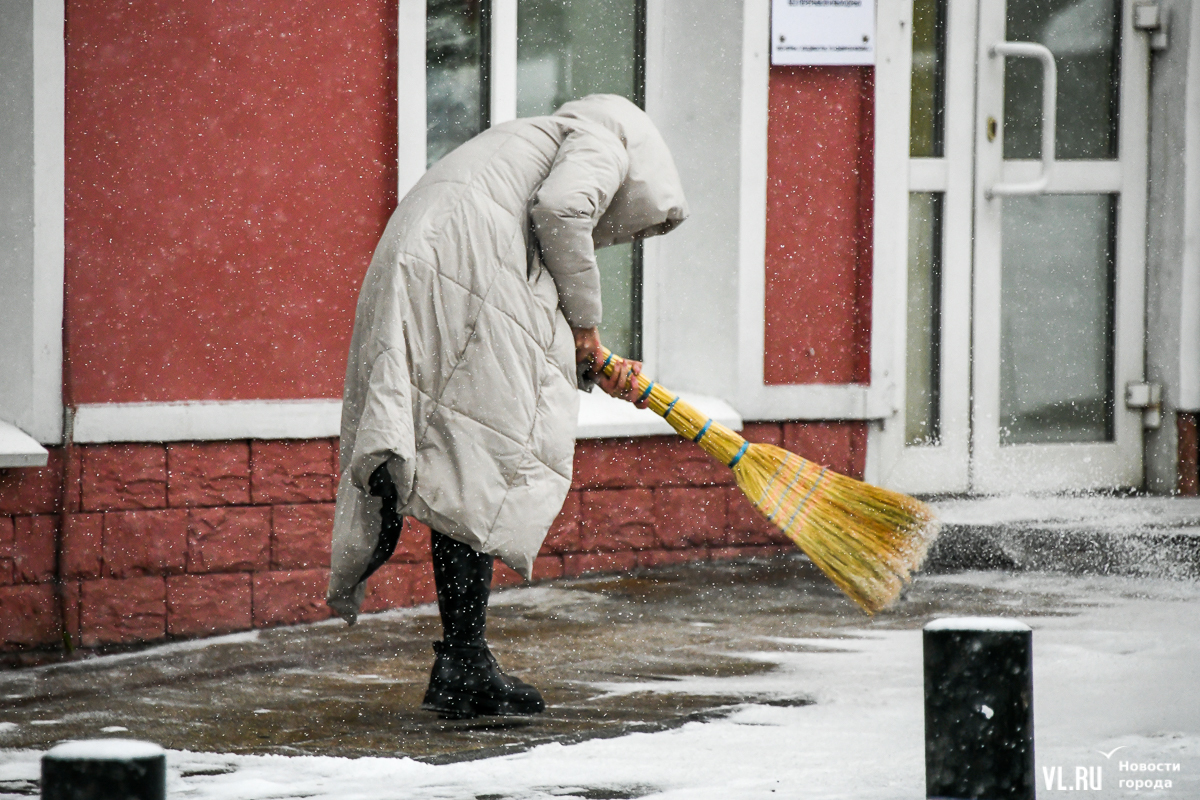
(588, 170)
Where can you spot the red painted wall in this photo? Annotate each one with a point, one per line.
(820, 151)
(230, 167)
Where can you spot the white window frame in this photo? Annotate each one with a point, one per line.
(31, 328)
(756, 400)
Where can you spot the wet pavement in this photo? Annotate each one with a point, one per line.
(332, 689)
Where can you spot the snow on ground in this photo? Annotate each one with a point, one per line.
(1118, 671)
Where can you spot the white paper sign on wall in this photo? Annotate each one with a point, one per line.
(822, 32)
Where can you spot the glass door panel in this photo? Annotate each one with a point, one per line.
(1056, 319)
(928, 104)
(922, 419)
(1084, 36)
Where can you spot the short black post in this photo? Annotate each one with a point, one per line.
(979, 709)
(104, 769)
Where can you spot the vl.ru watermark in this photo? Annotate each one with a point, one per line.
(1135, 775)
(1087, 779)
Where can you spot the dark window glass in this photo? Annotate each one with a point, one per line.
(455, 74)
(928, 79)
(567, 49)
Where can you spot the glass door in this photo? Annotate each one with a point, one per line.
(1057, 315)
(1024, 278)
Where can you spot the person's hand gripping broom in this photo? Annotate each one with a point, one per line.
(868, 540)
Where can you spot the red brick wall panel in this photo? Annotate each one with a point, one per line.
(819, 154)
(126, 610)
(300, 536)
(682, 463)
(124, 476)
(565, 535)
(71, 604)
(616, 463)
(34, 548)
(229, 539)
(83, 545)
(208, 473)
(73, 479)
(202, 605)
(763, 433)
(144, 543)
(617, 519)
(661, 558)
(28, 616)
(841, 446)
(1187, 469)
(547, 568)
(292, 471)
(388, 587)
(576, 564)
(229, 169)
(414, 542)
(504, 575)
(421, 583)
(691, 516)
(6, 551)
(33, 490)
(735, 553)
(645, 463)
(288, 598)
(747, 526)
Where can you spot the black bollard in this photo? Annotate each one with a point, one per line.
(104, 769)
(979, 709)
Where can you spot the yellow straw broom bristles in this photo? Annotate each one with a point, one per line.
(868, 540)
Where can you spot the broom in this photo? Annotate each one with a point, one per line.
(867, 540)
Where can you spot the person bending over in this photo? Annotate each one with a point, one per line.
(476, 322)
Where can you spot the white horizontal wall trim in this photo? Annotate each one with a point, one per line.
(819, 402)
(19, 449)
(207, 421)
(599, 416)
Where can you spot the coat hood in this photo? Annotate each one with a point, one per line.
(650, 201)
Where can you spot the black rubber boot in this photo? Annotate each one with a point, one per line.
(466, 680)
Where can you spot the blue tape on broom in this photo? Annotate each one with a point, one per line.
(740, 453)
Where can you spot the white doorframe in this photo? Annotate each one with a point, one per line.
(941, 467)
(1056, 467)
(968, 456)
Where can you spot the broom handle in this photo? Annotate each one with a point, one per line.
(714, 438)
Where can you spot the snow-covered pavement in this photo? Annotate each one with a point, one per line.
(1115, 666)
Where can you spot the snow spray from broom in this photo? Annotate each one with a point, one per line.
(867, 540)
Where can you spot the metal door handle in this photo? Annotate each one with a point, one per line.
(1049, 114)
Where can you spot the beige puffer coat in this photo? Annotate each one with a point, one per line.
(461, 373)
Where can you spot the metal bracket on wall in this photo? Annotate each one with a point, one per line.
(1153, 18)
(1147, 397)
